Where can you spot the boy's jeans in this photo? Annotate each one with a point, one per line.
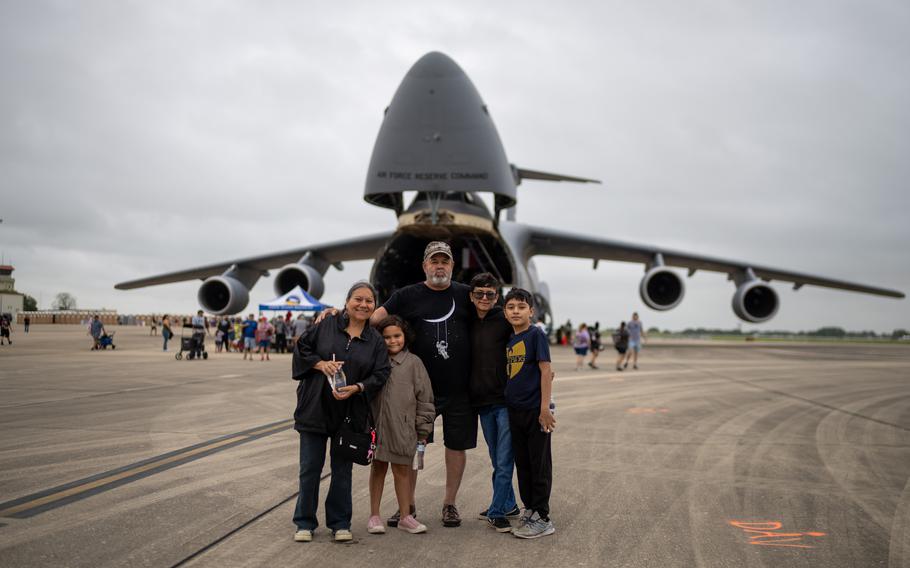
(494, 420)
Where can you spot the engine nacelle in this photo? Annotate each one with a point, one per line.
(223, 295)
(661, 289)
(299, 274)
(755, 301)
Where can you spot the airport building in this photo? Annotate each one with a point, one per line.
(11, 302)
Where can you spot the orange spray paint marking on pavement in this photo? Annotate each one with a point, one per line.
(767, 533)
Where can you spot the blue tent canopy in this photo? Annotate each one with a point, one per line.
(297, 300)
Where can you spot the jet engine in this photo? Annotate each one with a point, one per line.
(755, 301)
(302, 274)
(661, 289)
(223, 295)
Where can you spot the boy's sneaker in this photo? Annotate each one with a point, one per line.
(343, 535)
(303, 535)
(411, 525)
(375, 526)
(513, 514)
(523, 519)
(501, 524)
(535, 528)
(450, 516)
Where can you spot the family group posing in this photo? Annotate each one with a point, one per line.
(434, 348)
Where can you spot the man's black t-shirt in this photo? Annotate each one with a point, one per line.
(440, 321)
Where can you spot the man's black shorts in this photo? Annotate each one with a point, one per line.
(459, 422)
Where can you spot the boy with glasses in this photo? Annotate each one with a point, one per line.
(490, 333)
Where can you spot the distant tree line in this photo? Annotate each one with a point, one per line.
(825, 332)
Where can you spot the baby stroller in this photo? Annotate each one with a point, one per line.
(107, 340)
(194, 345)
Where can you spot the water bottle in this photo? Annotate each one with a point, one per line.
(552, 411)
(418, 457)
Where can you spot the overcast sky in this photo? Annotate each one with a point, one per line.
(144, 137)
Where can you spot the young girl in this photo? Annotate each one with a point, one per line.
(404, 414)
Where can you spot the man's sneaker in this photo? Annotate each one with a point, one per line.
(394, 519)
(501, 524)
(450, 516)
(535, 528)
(626, 364)
(343, 535)
(411, 525)
(513, 514)
(375, 526)
(303, 535)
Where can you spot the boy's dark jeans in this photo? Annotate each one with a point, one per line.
(533, 461)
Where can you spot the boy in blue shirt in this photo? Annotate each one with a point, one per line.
(528, 395)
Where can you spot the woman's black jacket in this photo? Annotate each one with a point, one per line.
(366, 361)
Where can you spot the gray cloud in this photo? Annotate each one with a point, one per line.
(139, 138)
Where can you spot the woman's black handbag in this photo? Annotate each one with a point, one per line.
(350, 445)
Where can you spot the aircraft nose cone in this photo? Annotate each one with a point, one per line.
(435, 65)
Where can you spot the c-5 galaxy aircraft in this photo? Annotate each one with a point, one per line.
(438, 139)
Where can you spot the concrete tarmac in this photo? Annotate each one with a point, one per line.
(709, 455)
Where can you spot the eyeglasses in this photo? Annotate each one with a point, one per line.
(479, 295)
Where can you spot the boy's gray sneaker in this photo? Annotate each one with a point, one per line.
(535, 528)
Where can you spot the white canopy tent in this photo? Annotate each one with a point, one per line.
(297, 300)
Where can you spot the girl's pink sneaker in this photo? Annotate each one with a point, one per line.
(375, 525)
(411, 525)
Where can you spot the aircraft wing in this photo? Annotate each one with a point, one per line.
(359, 248)
(541, 241)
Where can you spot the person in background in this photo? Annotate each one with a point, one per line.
(404, 414)
(26, 322)
(224, 328)
(621, 343)
(153, 326)
(596, 345)
(581, 344)
(166, 331)
(281, 335)
(300, 326)
(264, 332)
(249, 335)
(5, 330)
(96, 330)
(636, 335)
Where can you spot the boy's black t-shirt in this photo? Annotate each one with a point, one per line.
(440, 321)
(524, 351)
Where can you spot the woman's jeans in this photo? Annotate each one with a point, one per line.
(494, 420)
(338, 508)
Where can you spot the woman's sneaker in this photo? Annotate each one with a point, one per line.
(375, 526)
(411, 525)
